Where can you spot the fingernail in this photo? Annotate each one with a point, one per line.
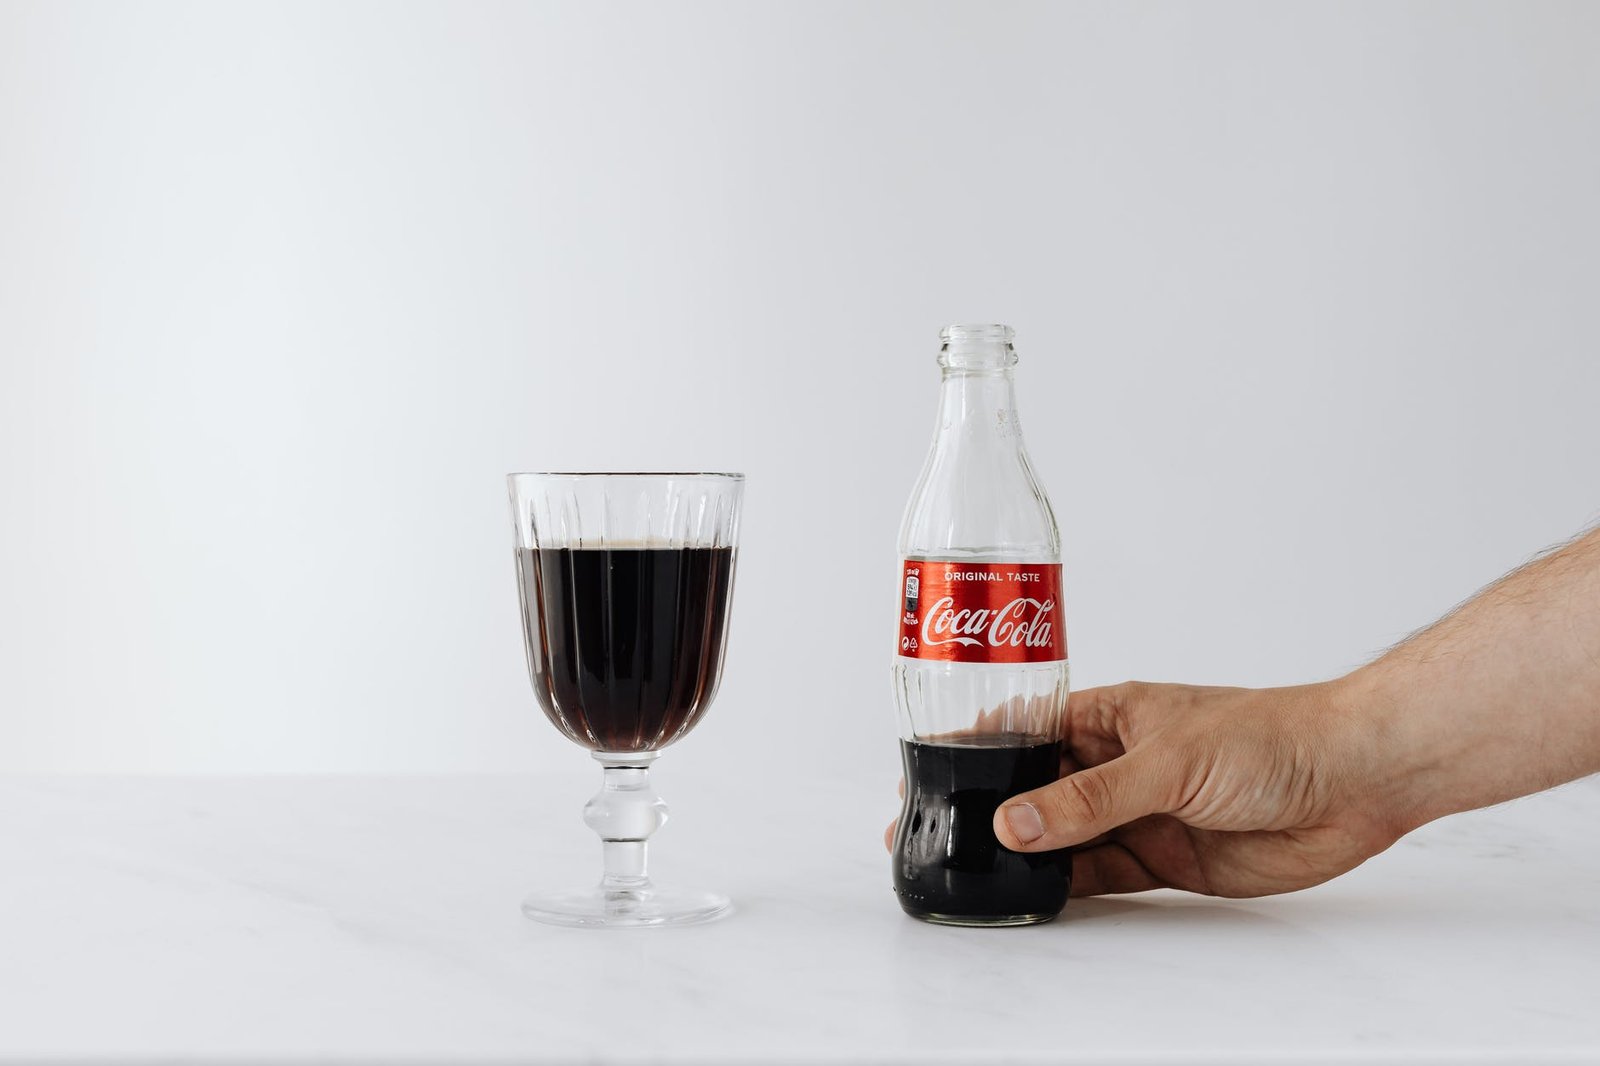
(1025, 823)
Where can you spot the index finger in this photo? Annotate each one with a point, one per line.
(1091, 729)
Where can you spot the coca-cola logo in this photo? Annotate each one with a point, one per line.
(982, 612)
(1022, 623)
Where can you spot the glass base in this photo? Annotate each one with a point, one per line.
(975, 921)
(599, 909)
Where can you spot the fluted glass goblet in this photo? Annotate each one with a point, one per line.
(625, 581)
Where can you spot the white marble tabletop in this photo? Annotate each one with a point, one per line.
(300, 918)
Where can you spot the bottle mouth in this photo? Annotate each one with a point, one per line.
(977, 347)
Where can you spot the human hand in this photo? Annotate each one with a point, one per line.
(1224, 791)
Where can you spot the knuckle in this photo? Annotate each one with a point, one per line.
(1131, 691)
(1080, 799)
(1132, 694)
(1127, 702)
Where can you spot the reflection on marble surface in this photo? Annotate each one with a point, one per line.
(375, 918)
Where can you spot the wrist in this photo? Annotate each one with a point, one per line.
(1411, 771)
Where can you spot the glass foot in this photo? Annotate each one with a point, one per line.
(602, 909)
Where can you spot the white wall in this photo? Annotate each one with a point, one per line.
(1305, 297)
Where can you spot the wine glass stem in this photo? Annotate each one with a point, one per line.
(625, 866)
(624, 813)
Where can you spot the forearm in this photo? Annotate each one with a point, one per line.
(1498, 699)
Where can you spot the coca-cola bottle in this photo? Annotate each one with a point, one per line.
(980, 670)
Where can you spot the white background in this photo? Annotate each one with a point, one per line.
(1305, 297)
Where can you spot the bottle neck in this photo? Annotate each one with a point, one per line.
(979, 401)
(977, 392)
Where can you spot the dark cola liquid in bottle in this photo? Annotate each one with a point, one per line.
(980, 668)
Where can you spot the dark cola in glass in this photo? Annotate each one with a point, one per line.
(628, 646)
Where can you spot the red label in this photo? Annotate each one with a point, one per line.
(958, 612)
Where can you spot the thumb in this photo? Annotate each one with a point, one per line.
(1082, 806)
